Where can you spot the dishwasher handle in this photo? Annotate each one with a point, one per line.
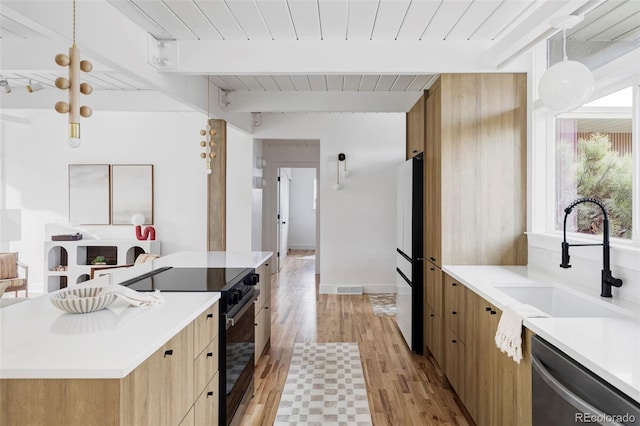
(567, 395)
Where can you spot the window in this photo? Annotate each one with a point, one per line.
(593, 158)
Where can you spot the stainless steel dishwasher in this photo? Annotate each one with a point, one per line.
(566, 393)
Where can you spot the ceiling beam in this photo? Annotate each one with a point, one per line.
(527, 31)
(100, 100)
(249, 57)
(317, 101)
(104, 34)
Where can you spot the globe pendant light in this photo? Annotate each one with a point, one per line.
(568, 84)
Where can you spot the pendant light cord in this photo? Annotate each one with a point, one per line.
(208, 89)
(74, 23)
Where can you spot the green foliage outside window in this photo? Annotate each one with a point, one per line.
(606, 175)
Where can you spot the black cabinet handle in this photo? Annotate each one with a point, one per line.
(433, 259)
(454, 341)
(432, 315)
(454, 312)
(209, 394)
(454, 284)
(168, 352)
(256, 324)
(209, 354)
(432, 269)
(488, 308)
(266, 307)
(209, 316)
(493, 312)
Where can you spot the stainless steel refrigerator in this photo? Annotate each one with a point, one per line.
(409, 247)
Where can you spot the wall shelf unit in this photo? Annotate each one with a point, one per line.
(69, 262)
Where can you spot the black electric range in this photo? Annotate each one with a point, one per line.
(236, 333)
(236, 284)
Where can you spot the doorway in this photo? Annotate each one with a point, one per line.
(296, 213)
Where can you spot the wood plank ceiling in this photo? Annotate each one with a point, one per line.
(402, 20)
(316, 20)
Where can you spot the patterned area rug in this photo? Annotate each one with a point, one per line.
(325, 386)
(383, 304)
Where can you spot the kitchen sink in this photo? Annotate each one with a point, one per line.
(558, 302)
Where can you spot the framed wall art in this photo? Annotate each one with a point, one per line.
(131, 193)
(89, 190)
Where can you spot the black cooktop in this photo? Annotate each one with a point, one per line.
(189, 279)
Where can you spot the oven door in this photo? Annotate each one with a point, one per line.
(239, 350)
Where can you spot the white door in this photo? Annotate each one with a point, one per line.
(283, 214)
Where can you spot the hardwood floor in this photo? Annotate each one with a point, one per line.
(403, 388)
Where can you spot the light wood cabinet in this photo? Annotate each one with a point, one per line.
(263, 310)
(415, 129)
(207, 405)
(432, 176)
(493, 388)
(433, 316)
(474, 202)
(455, 325)
(160, 391)
(475, 170)
(205, 328)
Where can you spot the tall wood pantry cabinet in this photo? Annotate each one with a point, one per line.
(475, 181)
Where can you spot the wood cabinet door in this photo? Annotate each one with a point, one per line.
(504, 369)
(206, 406)
(260, 342)
(143, 393)
(432, 179)
(415, 129)
(177, 359)
(205, 328)
(455, 362)
(267, 323)
(434, 320)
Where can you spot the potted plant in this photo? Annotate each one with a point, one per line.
(99, 260)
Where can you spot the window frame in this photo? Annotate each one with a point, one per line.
(542, 156)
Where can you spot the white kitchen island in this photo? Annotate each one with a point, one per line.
(122, 365)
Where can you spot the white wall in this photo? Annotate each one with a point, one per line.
(33, 174)
(357, 223)
(302, 215)
(239, 190)
(256, 200)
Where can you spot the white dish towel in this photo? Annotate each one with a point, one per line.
(509, 333)
(135, 298)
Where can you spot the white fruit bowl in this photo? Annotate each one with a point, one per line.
(82, 300)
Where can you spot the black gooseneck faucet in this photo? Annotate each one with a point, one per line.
(607, 280)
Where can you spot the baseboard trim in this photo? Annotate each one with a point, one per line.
(302, 246)
(366, 288)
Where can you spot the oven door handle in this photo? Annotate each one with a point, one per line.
(232, 321)
(571, 398)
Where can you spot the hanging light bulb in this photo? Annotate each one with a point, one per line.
(568, 84)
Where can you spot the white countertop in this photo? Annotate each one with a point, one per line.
(214, 259)
(609, 347)
(39, 341)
